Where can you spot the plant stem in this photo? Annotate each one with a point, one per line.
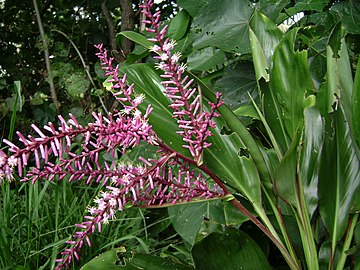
(348, 239)
(47, 57)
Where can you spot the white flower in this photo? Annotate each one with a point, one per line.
(164, 57)
(169, 46)
(12, 161)
(155, 48)
(175, 57)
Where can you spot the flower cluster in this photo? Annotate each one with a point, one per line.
(73, 152)
(6, 166)
(193, 120)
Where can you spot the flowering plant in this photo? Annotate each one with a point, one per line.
(284, 179)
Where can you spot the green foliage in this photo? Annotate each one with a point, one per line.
(293, 164)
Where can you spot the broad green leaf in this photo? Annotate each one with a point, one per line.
(223, 24)
(105, 261)
(137, 38)
(148, 82)
(236, 83)
(268, 35)
(339, 81)
(179, 25)
(205, 59)
(150, 262)
(187, 219)
(191, 6)
(237, 171)
(286, 184)
(272, 8)
(349, 13)
(233, 250)
(313, 138)
(355, 106)
(303, 5)
(339, 176)
(290, 84)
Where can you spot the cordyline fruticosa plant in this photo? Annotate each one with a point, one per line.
(309, 176)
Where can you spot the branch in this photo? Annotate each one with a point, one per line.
(47, 59)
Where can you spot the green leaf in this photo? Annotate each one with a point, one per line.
(223, 24)
(290, 84)
(205, 59)
(313, 139)
(233, 250)
(339, 176)
(356, 106)
(264, 37)
(286, 183)
(105, 261)
(137, 38)
(272, 8)
(150, 262)
(148, 82)
(303, 5)
(339, 79)
(191, 6)
(179, 25)
(349, 13)
(187, 219)
(237, 82)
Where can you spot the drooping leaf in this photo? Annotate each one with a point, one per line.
(223, 24)
(178, 25)
(339, 177)
(289, 91)
(233, 250)
(313, 138)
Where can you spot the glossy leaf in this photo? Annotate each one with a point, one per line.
(233, 250)
(148, 82)
(179, 25)
(290, 83)
(339, 176)
(313, 138)
(286, 182)
(356, 106)
(223, 24)
(137, 38)
(268, 35)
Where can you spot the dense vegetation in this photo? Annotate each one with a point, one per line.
(285, 146)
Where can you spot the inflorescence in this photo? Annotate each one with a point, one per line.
(168, 179)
